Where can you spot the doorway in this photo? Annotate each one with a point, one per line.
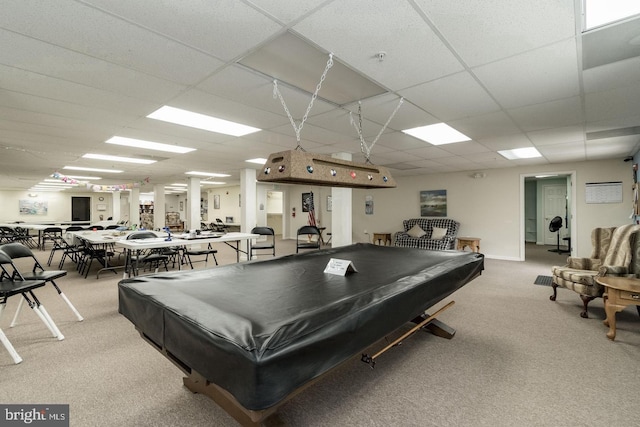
(275, 210)
(542, 197)
(81, 208)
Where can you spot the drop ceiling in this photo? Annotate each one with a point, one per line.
(507, 73)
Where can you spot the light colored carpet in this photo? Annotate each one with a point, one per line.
(517, 359)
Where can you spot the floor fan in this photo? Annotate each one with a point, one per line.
(554, 226)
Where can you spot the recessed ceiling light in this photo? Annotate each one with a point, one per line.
(118, 159)
(601, 12)
(213, 174)
(57, 184)
(437, 134)
(88, 178)
(201, 121)
(520, 153)
(178, 184)
(149, 145)
(79, 168)
(212, 182)
(258, 161)
(38, 188)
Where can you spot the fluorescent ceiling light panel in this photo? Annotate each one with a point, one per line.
(437, 134)
(600, 12)
(212, 182)
(80, 168)
(258, 161)
(118, 159)
(88, 178)
(201, 121)
(213, 174)
(58, 184)
(177, 184)
(149, 145)
(520, 153)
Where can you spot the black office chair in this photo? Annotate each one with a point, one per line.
(18, 251)
(152, 257)
(308, 240)
(266, 245)
(10, 286)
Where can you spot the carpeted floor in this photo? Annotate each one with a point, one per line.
(517, 359)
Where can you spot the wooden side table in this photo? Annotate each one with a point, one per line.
(619, 293)
(472, 242)
(382, 237)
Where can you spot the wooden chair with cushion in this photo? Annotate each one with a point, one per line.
(616, 252)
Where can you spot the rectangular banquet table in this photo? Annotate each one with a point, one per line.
(258, 331)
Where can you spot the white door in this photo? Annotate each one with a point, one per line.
(555, 204)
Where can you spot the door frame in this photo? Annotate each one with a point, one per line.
(573, 219)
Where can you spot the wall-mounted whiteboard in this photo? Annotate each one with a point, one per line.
(603, 192)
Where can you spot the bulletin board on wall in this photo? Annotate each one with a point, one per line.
(603, 192)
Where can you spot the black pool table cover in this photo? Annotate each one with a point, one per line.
(262, 329)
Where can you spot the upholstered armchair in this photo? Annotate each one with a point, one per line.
(615, 253)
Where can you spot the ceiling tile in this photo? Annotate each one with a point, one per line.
(73, 26)
(46, 59)
(560, 113)
(413, 41)
(611, 76)
(541, 75)
(452, 97)
(482, 32)
(224, 28)
(557, 135)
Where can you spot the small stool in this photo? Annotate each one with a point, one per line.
(382, 237)
(472, 242)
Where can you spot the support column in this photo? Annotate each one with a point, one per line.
(159, 214)
(193, 203)
(115, 206)
(248, 192)
(134, 207)
(341, 213)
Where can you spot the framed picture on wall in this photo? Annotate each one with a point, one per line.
(306, 201)
(216, 201)
(433, 203)
(329, 204)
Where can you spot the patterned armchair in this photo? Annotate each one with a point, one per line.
(434, 234)
(616, 252)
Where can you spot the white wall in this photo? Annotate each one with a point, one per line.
(58, 205)
(489, 208)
